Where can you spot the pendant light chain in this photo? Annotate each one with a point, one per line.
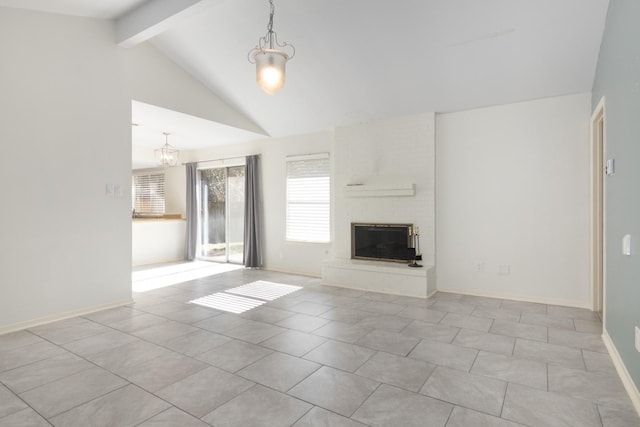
(270, 59)
(270, 25)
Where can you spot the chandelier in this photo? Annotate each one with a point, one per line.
(166, 155)
(269, 59)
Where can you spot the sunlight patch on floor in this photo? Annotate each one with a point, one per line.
(264, 290)
(228, 302)
(255, 294)
(148, 279)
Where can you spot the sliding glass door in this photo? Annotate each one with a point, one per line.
(221, 225)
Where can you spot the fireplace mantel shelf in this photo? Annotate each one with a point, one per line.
(380, 190)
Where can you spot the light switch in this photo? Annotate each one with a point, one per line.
(626, 244)
(117, 190)
(108, 190)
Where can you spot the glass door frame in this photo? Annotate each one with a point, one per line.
(217, 164)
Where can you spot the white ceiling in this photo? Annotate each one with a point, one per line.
(186, 132)
(105, 9)
(362, 60)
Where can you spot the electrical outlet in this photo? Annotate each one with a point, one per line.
(637, 339)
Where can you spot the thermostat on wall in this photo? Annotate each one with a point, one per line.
(610, 167)
(626, 244)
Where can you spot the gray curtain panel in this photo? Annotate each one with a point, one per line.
(252, 214)
(192, 211)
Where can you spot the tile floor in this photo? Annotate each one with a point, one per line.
(321, 356)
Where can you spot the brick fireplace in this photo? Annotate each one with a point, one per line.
(384, 173)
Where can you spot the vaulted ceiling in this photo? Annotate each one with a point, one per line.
(362, 60)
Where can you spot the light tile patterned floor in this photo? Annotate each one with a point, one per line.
(318, 356)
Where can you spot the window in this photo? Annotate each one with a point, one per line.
(147, 192)
(308, 198)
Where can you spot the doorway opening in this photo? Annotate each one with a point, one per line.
(221, 214)
(598, 136)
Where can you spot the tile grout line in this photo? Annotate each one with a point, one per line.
(161, 345)
(128, 383)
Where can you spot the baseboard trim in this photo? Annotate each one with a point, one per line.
(61, 316)
(552, 301)
(627, 381)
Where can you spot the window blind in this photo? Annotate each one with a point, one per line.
(148, 193)
(308, 198)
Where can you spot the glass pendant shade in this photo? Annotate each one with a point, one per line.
(270, 61)
(166, 155)
(270, 69)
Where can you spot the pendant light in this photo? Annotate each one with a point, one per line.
(269, 59)
(166, 155)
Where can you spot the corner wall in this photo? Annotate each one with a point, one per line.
(513, 194)
(66, 245)
(618, 80)
(65, 126)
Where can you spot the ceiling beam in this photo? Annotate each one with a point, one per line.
(154, 17)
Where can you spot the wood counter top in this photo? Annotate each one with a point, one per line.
(165, 217)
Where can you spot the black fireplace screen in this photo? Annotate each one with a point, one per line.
(386, 242)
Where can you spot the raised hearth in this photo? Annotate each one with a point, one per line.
(380, 276)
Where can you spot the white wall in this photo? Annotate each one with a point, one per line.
(65, 124)
(279, 254)
(175, 182)
(399, 150)
(513, 190)
(153, 79)
(157, 241)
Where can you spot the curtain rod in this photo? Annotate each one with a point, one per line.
(219, 160)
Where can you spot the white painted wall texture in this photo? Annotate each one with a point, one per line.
(65, 120)
(157, 241)
(175, 183)
(513, 190)
(399, 150)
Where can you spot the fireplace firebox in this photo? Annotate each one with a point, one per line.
(382, 242)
